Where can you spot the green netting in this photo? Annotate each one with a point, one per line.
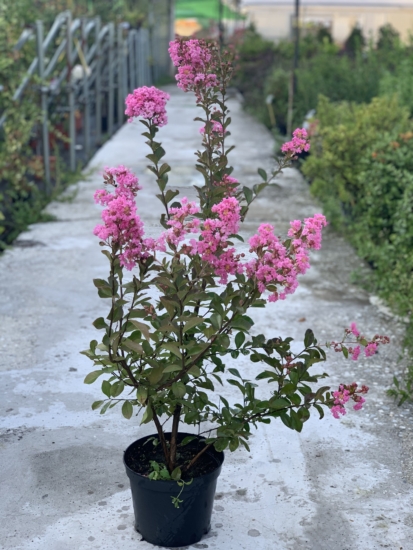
(203, 9)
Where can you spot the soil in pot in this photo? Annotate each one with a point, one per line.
(156, 518)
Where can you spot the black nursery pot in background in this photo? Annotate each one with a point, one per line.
(156, 518)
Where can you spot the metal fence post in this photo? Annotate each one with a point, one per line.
(45, 128)
(131, 59)
(86, 91)
(111, 98)
(71, 94)
(98, 82)
(120, 75)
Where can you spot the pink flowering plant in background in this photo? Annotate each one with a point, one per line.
(183, 307)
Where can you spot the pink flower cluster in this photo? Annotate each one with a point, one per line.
(307, 234)
(370, 348)
(228, 183)
(148, 103)
(297, 145)
(195, 64)
(277, 265)
(179, 227)
(122, 225)
(216, 128)
(344, 394)
(213, 245)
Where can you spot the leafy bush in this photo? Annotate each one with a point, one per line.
(345, 134)
(361, 168)
(255, 59)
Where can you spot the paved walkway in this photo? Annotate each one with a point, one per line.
(340, 485)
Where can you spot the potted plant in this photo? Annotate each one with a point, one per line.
(184, 309)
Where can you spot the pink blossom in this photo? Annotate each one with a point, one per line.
(344, 394)
(354, 329)
(297, 145)
(122, 226)
(179, 226)
(228, 211)
(337, 410)
(359, 402)
(216, 128)
(356, 353)
(370, 349)
(196, 69)
(148, 103)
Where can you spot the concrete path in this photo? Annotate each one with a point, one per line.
(340, 485)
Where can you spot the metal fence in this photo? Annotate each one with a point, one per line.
(84, 71)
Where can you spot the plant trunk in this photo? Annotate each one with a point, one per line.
(175, 424)
(162, 439)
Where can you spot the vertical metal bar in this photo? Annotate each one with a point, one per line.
(71, 94)
(120, 75)
(171, 36)
(131, 59)
(151, 43)
(136, 58)
(111, 95)
(86, 99)
(45, 129)
(140, 59)
(98, 83)
(146, 56)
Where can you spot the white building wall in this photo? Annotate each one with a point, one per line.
(273, 19)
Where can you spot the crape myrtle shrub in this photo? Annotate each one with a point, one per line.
(361, 169)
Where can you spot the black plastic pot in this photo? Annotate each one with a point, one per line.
(156, 518)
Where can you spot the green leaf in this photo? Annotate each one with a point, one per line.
(172, 368)
(100, 323)
(106, 388)
(142, 327)
(173, 348)
(248, 194)
(221, 444)
(131, 345)
(169, 195)
(142, 394)
(239, 339)
(155, 375)
(105, 407)
(127, 409)
(147, 415)
(235, 372)
(164, 169)
(216, 321)
(195, 371)
(263, 174)
(193, 321)
(308, 338)
(279, 404)
(288, 388)
(117, 388)
(320, 410)
(96, 405)
(92, 376)
(179, 389)
(176, 474)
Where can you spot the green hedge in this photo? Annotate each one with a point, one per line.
(361, 169)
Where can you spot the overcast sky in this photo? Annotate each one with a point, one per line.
(333, 2)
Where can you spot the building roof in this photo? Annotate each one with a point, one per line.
(342, 3)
